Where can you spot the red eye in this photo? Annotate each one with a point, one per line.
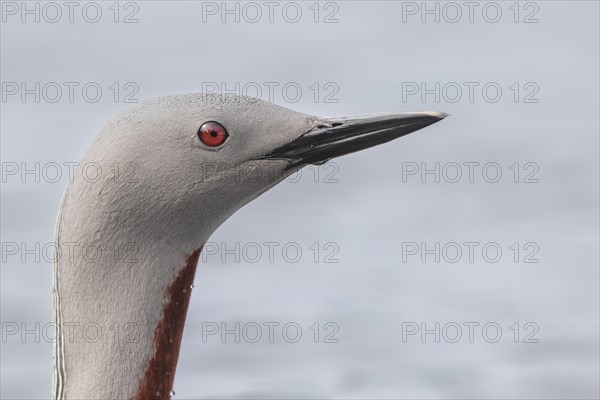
(212, 134)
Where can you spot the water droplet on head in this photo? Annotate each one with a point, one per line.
(172, 393)
(192, 286)
(157, 394)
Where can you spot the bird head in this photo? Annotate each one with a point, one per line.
(195, 159)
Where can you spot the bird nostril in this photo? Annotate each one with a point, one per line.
(333, 125)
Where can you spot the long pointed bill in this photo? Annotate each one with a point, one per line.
(335, 137)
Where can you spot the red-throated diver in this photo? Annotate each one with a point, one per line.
(176, 156)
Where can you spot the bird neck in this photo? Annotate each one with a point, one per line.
(159, 373)
(120, 309)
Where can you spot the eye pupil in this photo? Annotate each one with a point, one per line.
(212, 134)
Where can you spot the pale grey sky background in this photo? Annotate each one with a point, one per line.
(546, 119)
